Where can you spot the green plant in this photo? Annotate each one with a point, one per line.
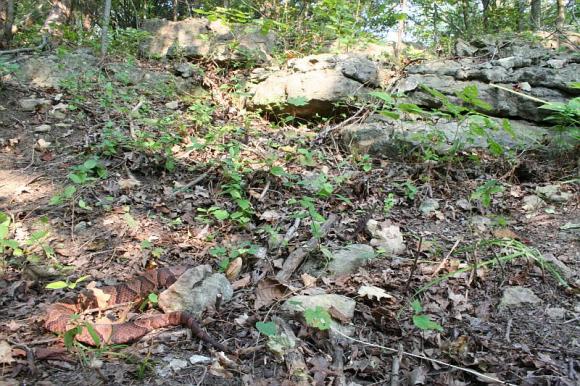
(318, 318)
(63, 196)
(5, 242)
(388, 203)
(422, 321)
(90, 170)
(485, 192)
(66, 284)
(147, 246)
(151, 300)
(409, 189)
(228, 254)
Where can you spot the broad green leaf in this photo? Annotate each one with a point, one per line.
(76, 178)
(153, 298)
(423, 322)
(410, 108)
(416, 306)
(318, 318)
(221, 214)
(277, 171)
(383, 96)
(267, 328)
(90, 164)
(57, 285)
(4, 229)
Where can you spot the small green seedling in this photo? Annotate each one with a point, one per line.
(55, 285)
(267, 328)
(388, 203)
(485, 192)
(422, 321)
(152, 299)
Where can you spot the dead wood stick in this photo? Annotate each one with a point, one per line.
(294, 260)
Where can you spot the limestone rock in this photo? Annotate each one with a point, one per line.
(313, 84)
(300, 303)
(195, 291)
(350, 258)
(517, 296)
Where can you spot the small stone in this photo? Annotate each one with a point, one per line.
(343, 304)
(386, 236)
(428, 206)
(556, 63)
(42, 144)
(533, 203)
(177, 364)
(517, 296)
(195, 291)
(173, 105)
(349, 259)
(31, 104)
(556, 312)
(553, 193)
(42, 129)
(199, 359)
(464, 204)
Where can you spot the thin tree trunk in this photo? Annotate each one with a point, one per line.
(9, 23)
(401, 30)
(561, 15)
(175, 6)
(521, 10)
(465, 9)
(536, 14)
(105, 27)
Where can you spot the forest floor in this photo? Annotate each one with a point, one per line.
(142, 215)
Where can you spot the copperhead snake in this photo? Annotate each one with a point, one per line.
(58, 315)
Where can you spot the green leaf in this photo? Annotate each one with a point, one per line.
(69, 190)
(318, 318)
(12, 244)
(153, 298)
(36, 237)
(385, 97)
(4, 219)
(221, 214)
(410, 108)
(416, 306)
(94, 335)
(69, 336)
(4, 228)
(423, 322)
(57, 285)
(76, 178)
(90, 164)
(277, 171)
(267, 328)
(297, 101)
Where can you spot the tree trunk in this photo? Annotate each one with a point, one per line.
(9, 23)
(465, 9)
(536, 14)
(561, 15)
(521, 4)
(105, 27)
(59, 14)
(175, 6)
(401, 30)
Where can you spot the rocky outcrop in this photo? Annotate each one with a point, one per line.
(384, 136)
(199, 38)
(314, 84)
(521, 70)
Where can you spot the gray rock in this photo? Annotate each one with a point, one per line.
(173, 105)
(384, 136)
(462, 48)
(533, 203)
(51, 71)
(300, 303)
(386, 236)
(428, 206)
(31, 104)
(42, 129)
(556, 312)
(195, 291)
(464, 204)
(199, 38)
(481, 223)
(313, 84)
(349, 259)
(554, 193)
(517, 296)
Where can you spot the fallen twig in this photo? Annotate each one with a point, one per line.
(294, 260)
